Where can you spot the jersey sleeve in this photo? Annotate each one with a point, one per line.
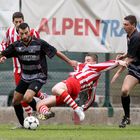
(6, 41)
(46, 48)
(104, 66)
(9, 52)
(134, 50)
(91, 96)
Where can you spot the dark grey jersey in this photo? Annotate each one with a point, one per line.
(32, 58)
(134, 52)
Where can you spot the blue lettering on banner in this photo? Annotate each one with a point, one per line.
(115, 29)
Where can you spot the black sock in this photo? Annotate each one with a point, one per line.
(126, 105)
(33, 104)
(19, 113)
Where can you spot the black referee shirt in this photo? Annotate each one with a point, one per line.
(133, 43)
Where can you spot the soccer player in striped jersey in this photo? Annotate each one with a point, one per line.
(10, 37)
(84, 77)
(31, 53)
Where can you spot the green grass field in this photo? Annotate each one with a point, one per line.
(71, 132)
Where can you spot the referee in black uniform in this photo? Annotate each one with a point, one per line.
(132, 59)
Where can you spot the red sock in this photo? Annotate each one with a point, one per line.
(43, 109)
(40, 95)
(68, 100)
(27, 108)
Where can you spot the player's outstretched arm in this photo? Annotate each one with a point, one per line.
(124, 64)
(72, 63)
(121, 56)
(117, 74)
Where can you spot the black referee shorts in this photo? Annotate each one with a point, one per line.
(134, 70)
(23, 86)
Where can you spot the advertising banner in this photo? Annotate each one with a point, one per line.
(81, 25)
(7, 8)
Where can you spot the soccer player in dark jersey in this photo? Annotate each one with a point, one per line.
(10, 37)
(132, 62)
(31, 53)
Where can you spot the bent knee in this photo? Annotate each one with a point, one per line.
(27, 99)
(125, 92)
(59, 88)
(54, 90)
(57, 91)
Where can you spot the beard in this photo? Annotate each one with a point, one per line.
(26, 40)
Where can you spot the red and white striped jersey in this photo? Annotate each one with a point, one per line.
(88, 76)
(10, 37)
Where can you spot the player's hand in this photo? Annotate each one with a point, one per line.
(73, 63)
(120, 56)
(122, 63)
(2, 59)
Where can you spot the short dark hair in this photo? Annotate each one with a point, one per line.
(132, 19)
(23, 26)
(17, 15)
(93, 55)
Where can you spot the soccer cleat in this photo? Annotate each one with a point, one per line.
(46, 116)
(80, 113)
(17, 127)
(125, 121)
(34, 113)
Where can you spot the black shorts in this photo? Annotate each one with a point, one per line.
(134, 70)
(23, 86)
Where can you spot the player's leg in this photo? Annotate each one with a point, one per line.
(41, 95)
(65, 90)
(32, 90)
(18, 96)
(129, 83)
(43, 107)
(28, 98)
(26, 107)
(17, 106)
(61, 90)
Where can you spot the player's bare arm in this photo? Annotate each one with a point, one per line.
(72, 63)
(121, 56)
(117, 74)
(123, 65)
